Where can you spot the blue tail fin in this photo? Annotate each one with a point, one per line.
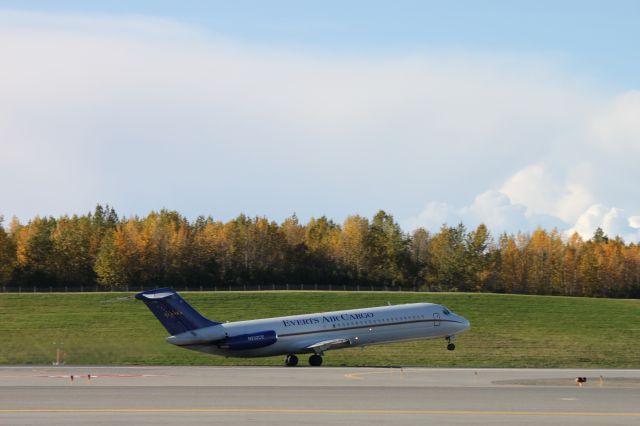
(173, 311)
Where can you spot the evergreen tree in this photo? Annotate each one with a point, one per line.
(599, 237)
(448, 269)
(478, 259)
(7, 256)
(387, 251)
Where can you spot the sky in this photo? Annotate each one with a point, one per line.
(513, 114)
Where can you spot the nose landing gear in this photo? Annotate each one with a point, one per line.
(451, 346)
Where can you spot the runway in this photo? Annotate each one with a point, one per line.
(315, 396)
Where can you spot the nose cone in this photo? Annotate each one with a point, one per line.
(464, 323)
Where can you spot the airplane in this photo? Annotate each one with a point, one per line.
(300, 334)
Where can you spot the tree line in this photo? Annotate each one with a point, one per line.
(165, 249)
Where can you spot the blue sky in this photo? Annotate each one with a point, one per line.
(516, 114)
(594, 38)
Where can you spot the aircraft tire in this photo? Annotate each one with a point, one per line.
(315, 360)
(451, 346)
(291, 360)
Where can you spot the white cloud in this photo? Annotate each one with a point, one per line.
(617, 128)
(572, 184)
(496, 210)
(433, 216)
(542, 193)
(613, 221)
(529, 199)
(532, 187)
(493, 208)
(144, 113)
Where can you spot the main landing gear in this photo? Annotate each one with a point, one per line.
(315, 360)
(451, 346)
(291, 360)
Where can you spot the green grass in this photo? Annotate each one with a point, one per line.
(506, 330)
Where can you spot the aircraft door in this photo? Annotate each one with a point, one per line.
(436, 320)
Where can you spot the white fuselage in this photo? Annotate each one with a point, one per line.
(368, 326)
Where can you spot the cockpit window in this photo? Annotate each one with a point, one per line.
(445, 311)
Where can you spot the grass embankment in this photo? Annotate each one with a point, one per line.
(507, 330)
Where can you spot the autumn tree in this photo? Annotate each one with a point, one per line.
(34, 253)
(322, 239)
(544, 253)
(571, 265)
(513, 263)
(165, 248)
(268, 251)
(353, 247)
(72, 257)
(207, 252)
(119, 261)
(419, 257)
(296, 251)
(589, 269)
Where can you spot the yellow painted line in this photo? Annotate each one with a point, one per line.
(321, 411)
(358, 376)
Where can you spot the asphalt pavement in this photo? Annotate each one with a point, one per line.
(316, 395)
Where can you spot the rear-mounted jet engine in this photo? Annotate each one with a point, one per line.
(250, 341)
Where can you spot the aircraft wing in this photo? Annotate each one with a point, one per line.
(325, 345)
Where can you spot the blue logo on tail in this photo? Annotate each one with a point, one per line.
(175, 314)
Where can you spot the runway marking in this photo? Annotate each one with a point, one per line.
(357, 376)
(319, 411)
(102, 376)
